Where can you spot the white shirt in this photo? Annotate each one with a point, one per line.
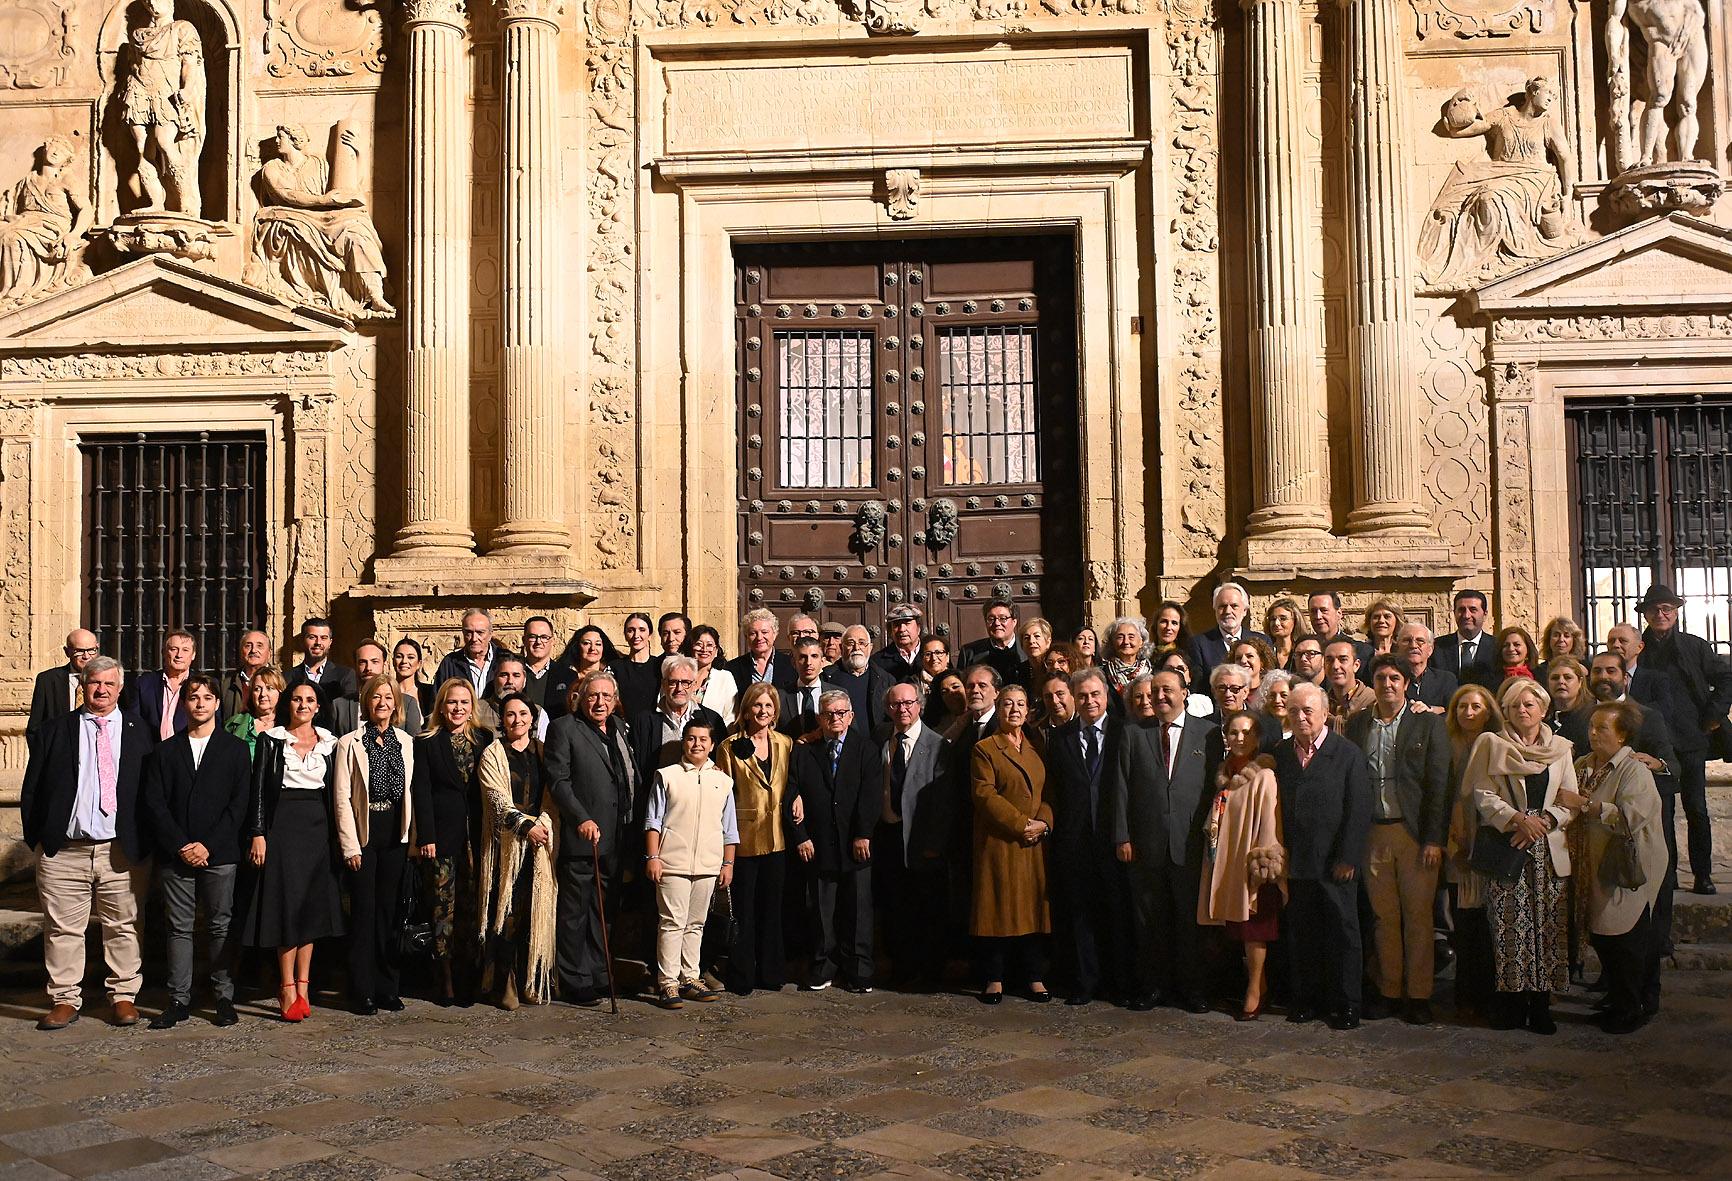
(307, 775)
(198, 747)
(1175, 735)
(1467, 651)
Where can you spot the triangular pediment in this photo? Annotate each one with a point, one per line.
(1676, 263)
(157, 302)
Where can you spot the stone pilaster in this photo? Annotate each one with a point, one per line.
(1285, 380)
(436, 290)
(532, 429)
(1383, 369)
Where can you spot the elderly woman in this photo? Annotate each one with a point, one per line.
(263, 693)
(1036, 637)
(1281, 623)
(1515, 778)
(448, 820)
(1244, 883)
(375, 763)
(1271, 702)
(1167, 630)
(757, 758)
(1383, 620)
(518, 889)
(1619, 807)
(1472, 711)
(1139, 699)
(1010, 915)
(1126, 658)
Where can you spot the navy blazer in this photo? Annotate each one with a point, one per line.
(144, 691)
(207, 805)
(51, 785)
(1446, 654)
(1325, 807)
(1081, 804)
(841, 808)
(1161, 814)
(1209, 648)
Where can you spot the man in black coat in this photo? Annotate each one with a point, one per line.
(799, 712)
(656, 733)
(760, 661)
(1325, 794)
(593, 781)
(1093, 906)
(1467, 653)
(837, 780)
(1162, 784)
(195, 792)
(912, 840)
(1427, 684)
(330, 679)
(57, 691)
(1232, 606)
(900, 658)
(81, 813)
(864, 682)
(999, 649)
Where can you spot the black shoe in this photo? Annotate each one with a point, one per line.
(1141, 1003)
(1442, 955)
(225, 1014)
(1080, 998)
(1506, 1016)
(991, 998)
(171, 1016)
(1040, 998)
(1622, 1023)
(1704, 885)
(858, 987)
(1378, 1007)
(1540, 1019)
(390, 1004)
(1302, 1015)
(1192, 1004)
(364, 1007)
(583, 998)
(1418, 1013)
(1347, 1018)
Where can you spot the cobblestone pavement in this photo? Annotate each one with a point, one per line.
(806, 1087)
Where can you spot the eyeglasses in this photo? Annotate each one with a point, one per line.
(535, 639)
(85, 651)
(838, 713)
(681, 683)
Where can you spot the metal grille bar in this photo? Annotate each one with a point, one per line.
(825, 384)
(174, 538)
(1698, 475)
(987, 389)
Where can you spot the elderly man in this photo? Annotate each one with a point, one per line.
(473, 660)
(900, 658)
(760, 661)
(1325, 796)
(914, 834)
(57, 691)
(830, 634)
(657, 734)
(252, 654)
(1093, 905)
(1324, 610)
(346, 716)
(864, 682)
(82, 814)
(1428, 686)
(1232, 605)
(999, 648)
(328, 678)
(158, 696)
(1347, 693)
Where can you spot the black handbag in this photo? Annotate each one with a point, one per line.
(415, 939)
(1495, 857)
(722, 908)
(1621, 865)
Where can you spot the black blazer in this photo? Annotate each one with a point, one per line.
(208, 805)
(144, 691)
(1422, 754)
(1434, 688)
(1446, 654)
(585, 784)
(840, 809)
(338, 680)
(447, 805)
(788, 721)
(1009, 662)
(51, 785)
(1161, 815)
(1209, 648)
(51, 698)
(650, 754)
(267, 787)
(1703, 684)
(1081, 804)
(782, 674)
(1325, 807)
(866, 690)
(900, 671)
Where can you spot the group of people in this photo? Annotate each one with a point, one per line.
(816, 810)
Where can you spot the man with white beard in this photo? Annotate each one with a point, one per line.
(864, 682)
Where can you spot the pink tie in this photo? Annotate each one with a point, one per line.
(105, 766)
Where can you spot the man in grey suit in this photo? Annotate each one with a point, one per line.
(1162, 784)
(1408, 753)
(592, 778)
(913, 835)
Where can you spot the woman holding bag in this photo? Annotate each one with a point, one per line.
(1245, 880)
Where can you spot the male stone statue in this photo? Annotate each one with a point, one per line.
(1675, 35)
(162, 101)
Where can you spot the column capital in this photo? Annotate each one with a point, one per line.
(436, 12)
(550, 11)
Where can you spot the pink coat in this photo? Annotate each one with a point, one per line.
(1250, 819)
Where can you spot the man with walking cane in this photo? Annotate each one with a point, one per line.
(593, 779)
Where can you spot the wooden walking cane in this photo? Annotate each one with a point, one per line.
(601, 917)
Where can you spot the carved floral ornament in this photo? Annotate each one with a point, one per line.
(886, 17)
(318, 39)
(36, 49)
(446, 12)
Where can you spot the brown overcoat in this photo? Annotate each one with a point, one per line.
(1009, 877)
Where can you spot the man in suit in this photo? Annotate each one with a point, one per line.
(760, 661)
(999, 649)
(157, 696)
(538, 660)
(836, 779)
(347, 712)
(510, 675)
(1162, 783)
(81, 814)
(864, 682)
(900, 658)
(1324, 610)
(328, 678)
(474, 657)
(1407, 753)
(1232, 606)
(656, 734)
(194, 789)
(1427, 685)
(1088, 882)
(593, 781)
(799, 714)
(1325, 795)
(252, 654)
(57, 691)
(1705, 678)
(913, 836)
(1467, 652)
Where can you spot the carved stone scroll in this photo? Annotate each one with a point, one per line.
(36, 43)
(321, 40)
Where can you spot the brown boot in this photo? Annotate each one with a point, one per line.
(59, 1017)
(508, 995)
(125, 1013)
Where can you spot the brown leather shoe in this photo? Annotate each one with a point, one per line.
(125, 1013)
(59, 1017)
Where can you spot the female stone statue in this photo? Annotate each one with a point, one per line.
(162, 103)
(1493, 216)
(40, 223)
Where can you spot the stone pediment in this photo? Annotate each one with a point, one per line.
(158, 302)
(1667, 265)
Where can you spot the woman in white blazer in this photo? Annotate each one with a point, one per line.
(1515, 778)
(375, 766)
(1617, 802)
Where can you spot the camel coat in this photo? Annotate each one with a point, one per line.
(758, 805)
(1251, 819)
(1009, 877)
(1625, 801)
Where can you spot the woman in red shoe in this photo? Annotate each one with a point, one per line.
(295, 899)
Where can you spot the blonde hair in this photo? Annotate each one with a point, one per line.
(1577, 649)
(752, 692)
(436, 715)
(373, 685)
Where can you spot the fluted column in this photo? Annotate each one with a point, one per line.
(436, 300)
(1385, 378)
(531, 405)
(1285, 380)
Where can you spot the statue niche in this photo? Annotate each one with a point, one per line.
(313, 239)
(1496, 215)
(42, 222)
(1654, 81)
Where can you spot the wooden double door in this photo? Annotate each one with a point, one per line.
(908, 429)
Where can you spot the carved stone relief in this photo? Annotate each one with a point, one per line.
(42, 223)
(1456, 479)
(160, 100)
(1695, 326)
(1468, 19)
(901, 193)
(1512, 387)
(107, 366)
(36, 43)
(321, 40)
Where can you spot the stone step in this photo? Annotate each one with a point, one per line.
(1710, 957)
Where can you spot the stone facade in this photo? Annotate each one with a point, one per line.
(534, 403)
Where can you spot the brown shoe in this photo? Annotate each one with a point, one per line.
(59, 1017)
(125, 1013)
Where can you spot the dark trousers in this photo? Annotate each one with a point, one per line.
(1693, 791)
(1475, 965)
(1324, 954)
(1663, 903)
(184, 890)
(376, 914)
(758, 959)
(912, 898)
(581, 961)
(844, 927)
(1632, 968)
(1025, 953)
(1094, 920)
(1169, 945)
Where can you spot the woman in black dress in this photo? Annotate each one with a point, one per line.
(638, 670)
(447, 803)
(295, 900)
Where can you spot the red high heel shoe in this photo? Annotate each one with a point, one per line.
(1251, 1014)
(303, 1005)
(292, 1010)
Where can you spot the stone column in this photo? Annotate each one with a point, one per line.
(1384, 375)
(436, 299)
(532, 405)
(1285, 380)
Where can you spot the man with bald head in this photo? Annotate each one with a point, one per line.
(254, 653)
(57, 692)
